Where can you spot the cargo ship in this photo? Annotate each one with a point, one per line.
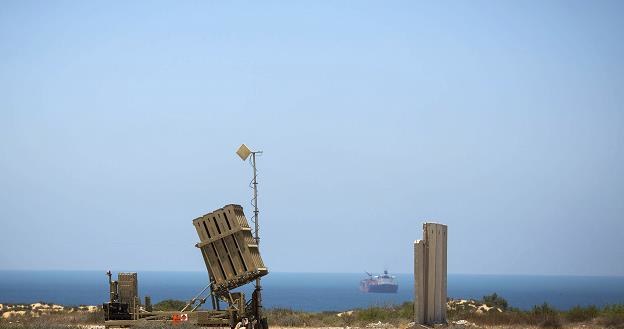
(384, 283)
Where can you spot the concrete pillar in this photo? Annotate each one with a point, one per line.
(419, 283)
(440, 304)
(431, 243)
(443, 272)
(430, 275)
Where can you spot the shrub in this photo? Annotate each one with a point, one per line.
(496, 301)
(612, 316)
(347, 319)
(543, 310)
(331, 319)
(372, 313)
(546, 316)
(582, 314)
(392, 314)
(498, 318)
(284, 317)
(552, 322)
(406, 311)
(169, 305)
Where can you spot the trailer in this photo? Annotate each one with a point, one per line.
(232, 259)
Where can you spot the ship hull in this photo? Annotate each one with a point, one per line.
(381, 288)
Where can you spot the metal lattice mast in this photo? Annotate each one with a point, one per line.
(256, 235)
(255, 197)
(244, 152)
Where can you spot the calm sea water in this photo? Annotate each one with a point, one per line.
(312, 291)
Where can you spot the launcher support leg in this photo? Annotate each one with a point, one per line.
(260, 322)
(257, 296)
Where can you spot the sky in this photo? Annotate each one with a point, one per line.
(119, 122)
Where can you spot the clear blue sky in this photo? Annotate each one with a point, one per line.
(505, 120)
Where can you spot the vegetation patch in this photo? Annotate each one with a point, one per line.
(169, 305)
(612, 316)
(496, 313)
(394, 315)
(582, 314)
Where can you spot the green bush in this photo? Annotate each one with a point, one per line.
(284, 317)
(615, 309)
(347, 320)
(393, 314)
(612, 316)
(543, 310)
(497, 318)
(581, 314)
(372, 313)
(390, 313)
(406, 310)
(546, 316)
(496, 301)
(553, 321)
(169, 305)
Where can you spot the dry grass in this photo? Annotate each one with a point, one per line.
(288, 318)
(397, 316)
(58, 320)
(612, 316)
(394, 315)
(544, 316)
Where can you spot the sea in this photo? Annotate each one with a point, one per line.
(313, 291)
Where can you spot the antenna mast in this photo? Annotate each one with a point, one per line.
(244, 152)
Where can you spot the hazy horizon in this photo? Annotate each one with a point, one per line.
(119, 123)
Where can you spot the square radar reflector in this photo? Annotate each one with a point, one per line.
(243, 152)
